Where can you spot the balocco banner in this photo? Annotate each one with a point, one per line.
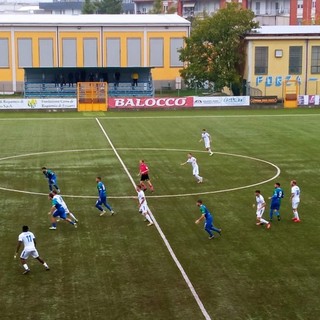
(224, 101)
(127, 103)
(16, 104)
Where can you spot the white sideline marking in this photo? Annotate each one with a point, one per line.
(147, 149)
(166, 242)
(168, 117)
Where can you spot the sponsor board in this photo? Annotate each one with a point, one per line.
(221, 101)
(264, 100)
(309, 100)
(16, 104)
(127, 103)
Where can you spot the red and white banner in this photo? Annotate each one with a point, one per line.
(127, 103)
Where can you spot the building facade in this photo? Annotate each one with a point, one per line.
(90, 41)
(279, 53)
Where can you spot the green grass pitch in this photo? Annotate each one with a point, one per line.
(118, 268)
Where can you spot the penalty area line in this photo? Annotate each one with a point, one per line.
(162, 235)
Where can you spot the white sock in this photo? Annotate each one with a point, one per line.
(198, 177)
(264, 221)
(72, 216)
(148, 218)
(210, 151)
(25, 266)
(296, 215)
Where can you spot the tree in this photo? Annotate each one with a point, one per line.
(108, 6)
(157, 7)
(88, 7)
(215, 50)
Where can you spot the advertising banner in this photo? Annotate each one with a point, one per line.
(309, 100)
(264, 100)
(16, 104)
(221, 101)
(127, 103)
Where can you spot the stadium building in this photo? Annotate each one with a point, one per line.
(279, 53)
(90, 41)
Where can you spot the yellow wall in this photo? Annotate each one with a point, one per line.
(6, 73)
(79, 36)
(34, 36)
(278, 68)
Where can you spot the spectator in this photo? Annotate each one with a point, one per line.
(135, 78)
(116, 79)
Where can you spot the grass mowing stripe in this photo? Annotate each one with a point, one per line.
(166, 242)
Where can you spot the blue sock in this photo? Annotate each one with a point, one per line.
(277, 213)
(108, 207)
(50, 187)
(54, 224)
(98, 206)
(271, 213)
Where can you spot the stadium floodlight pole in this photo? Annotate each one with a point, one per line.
(166, 242)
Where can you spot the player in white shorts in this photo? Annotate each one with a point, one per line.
(261, 205)
(143, 206)
(64, 205)
(195, 168)
(28, 240)
(295, 200)
(206, 138)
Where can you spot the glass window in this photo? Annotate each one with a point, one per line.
(156, 52)
(295, 60)
(24, 53)
(113, 52)
(315, 59)
(261, 60)
(175, 45)
(134, 52)
(45, 52)
(90, 52)
(69, 52)
(4, 56)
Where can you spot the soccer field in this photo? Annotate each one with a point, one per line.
(115, 267)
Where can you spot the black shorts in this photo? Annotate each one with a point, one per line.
(144, 177)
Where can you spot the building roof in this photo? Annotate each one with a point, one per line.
(94, 20)
(286, 30)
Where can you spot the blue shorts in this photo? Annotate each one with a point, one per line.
(275, 206)
(53, 180)
(60, 213)
(102, 200)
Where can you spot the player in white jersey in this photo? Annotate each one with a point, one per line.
(64, 205)
(143, 206)
(261, 205)
(195, 168)
(295, 200)
(206, 138)
(29, 242)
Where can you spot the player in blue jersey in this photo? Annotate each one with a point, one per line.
(206, 215)
(52, 179)
(102, 197)
(276, 201)
(57, 210)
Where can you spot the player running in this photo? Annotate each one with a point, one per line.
(276, 201)
(143, 206)
(102, 198)
(261, 205)
(144, 176)
(206, 215)
(64, 205)
(29, 241)
(195, 167)
(295, 200)
(57, 210)
(52, 179)
(206, 138)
